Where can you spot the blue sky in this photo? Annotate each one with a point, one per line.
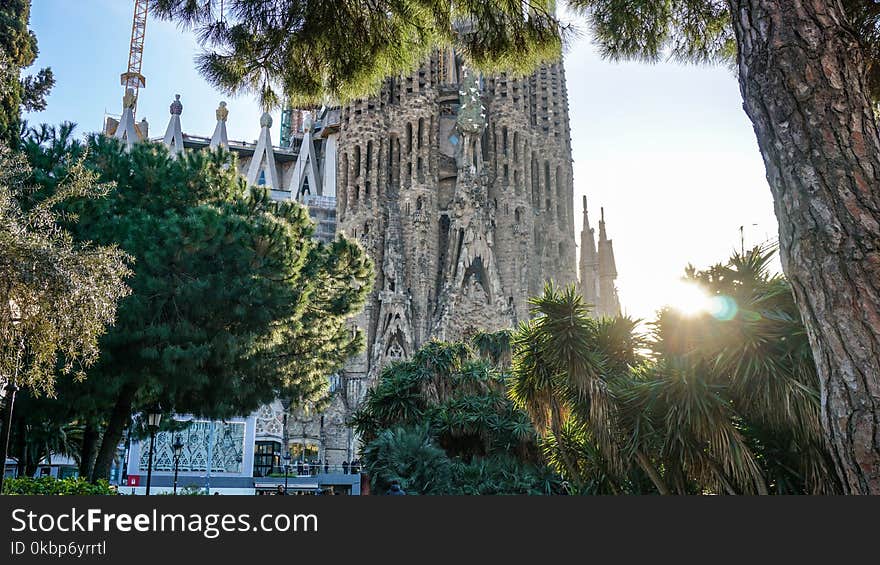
(665, 148)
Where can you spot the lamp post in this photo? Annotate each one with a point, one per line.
(154, 418)
(11, 388)
(178, 449)
(286, 458)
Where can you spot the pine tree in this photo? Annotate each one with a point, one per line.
(18, 50)
(233, 302)
(312, 52)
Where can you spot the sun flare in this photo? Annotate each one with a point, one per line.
(689, 299)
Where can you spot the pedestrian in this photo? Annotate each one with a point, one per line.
(395, 489)
(279, 490)
(345, 467)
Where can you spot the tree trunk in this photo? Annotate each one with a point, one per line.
(802, 77)
(87, 451)
(652, 473)
(119, 419)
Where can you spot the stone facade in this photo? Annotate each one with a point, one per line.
(460, 189)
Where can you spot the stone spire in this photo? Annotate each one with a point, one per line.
(220, 139)
(264, 158)
(609, 304)
(126, 130)
(394, 337)
(589, 263)
(306, 167)
(174, 133)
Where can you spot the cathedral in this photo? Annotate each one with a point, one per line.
(460, 188)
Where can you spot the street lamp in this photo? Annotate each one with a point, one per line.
(286, 458)
(11, 388)
(154, 418)
(178, 449)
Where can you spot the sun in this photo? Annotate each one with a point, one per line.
(689, 299)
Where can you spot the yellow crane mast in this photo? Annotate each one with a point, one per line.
(133, 78)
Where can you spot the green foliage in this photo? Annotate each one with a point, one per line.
(233, 303)
(742, 381)
(319, 51)
(448, 399)
(57, 295)
(18, 50)
(49, 486)
(187, 490)
(724, 403)
(407, 455)
(502, 475)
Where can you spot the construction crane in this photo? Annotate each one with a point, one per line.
(133, 78)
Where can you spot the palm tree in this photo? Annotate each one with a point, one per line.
(725, 402)
(567, 368)
(737, 388)
(451, 398)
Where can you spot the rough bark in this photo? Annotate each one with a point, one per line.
(88, 450)
(119, 419)
(802, 77)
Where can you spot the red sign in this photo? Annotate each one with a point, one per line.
(134, 480)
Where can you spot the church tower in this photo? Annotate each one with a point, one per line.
(598, 270)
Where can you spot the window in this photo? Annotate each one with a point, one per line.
(305, 452)
(267, 456)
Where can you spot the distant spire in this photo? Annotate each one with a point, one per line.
(174, 133)
(306, 166)
(609, 304)
(602, 235)
(264, 158)
(127, 131)
(589, 262)
(220, 139)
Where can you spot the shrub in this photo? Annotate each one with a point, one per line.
(51, 486)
